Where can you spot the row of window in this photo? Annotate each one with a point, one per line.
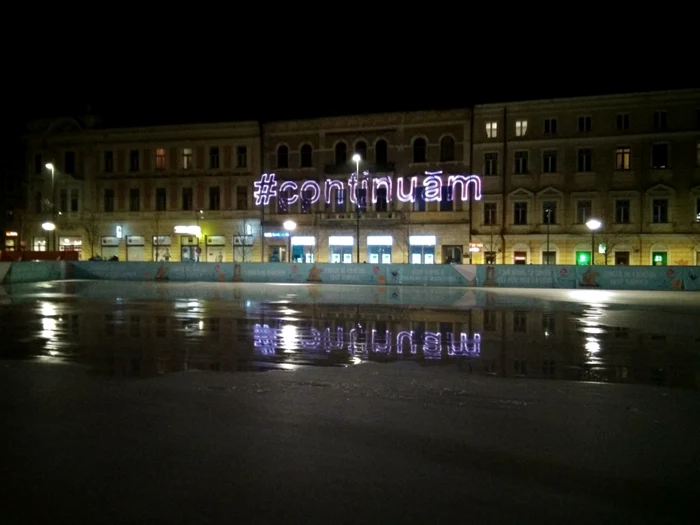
(584, 124)
(160, 160)
(660, 159)
(381, 152)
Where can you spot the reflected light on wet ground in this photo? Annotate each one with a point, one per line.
(147, 329)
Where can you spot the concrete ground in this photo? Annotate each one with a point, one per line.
(371, 443)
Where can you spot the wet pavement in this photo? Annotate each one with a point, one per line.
(150, 329)
(142, 402)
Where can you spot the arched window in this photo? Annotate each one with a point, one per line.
(447, 149)
(306, 156)
(341, 154)
(361, 149)
(282, 156)
(420, 150)
(381, 155)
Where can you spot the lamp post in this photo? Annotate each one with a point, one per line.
(290, 226)
(593, 225)
(50, 166)
(548, 211)
(356, 158)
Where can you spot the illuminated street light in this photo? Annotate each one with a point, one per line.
(290, 226)
(593, 225)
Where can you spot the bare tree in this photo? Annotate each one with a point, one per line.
(611, 233)
(161, 250)
(317, 230)
(243, 241)
(402, 233)
(91, 225)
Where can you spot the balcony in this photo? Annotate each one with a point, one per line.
(342, 169)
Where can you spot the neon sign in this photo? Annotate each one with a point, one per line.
(268, 340)
(268, 187)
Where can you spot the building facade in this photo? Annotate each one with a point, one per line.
(292, 190)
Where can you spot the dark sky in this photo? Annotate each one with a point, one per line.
(150, 103)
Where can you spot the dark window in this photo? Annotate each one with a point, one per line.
(659, 156)
(549, 161)
(381, 153)
(381, 204)
(419, 199)
(109, 161)
(109, 201)
(521, 162)
(282, 156)
(187, 199)
(659, 120)
(214, 157)
(584, 160)
(63, 200)
(491, 163)
(341, 154)
(446, 202)
(214, 198)
(490, 213)
(306, 156)
(584, 124)
(241, 157)
(420, 153)
(583, 211)
(623, 122)
(520, 213)
(550, 125)
(447, 149)
(134, 199)
(622, 211)
(660, 211)
(549, 212)
(134, 160)
(161, 199)
(74, 201)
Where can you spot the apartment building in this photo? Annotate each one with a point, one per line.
(498, 183)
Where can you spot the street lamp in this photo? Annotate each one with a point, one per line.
(548, 211)
(593, 225)
(290, 226)
(356, 158)
(50, 166)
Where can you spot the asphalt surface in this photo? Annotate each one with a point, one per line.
(373, 443)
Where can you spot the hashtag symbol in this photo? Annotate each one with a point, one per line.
(265, 189)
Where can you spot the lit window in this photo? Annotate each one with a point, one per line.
(520, 128)
(160, 158)
(492, 130)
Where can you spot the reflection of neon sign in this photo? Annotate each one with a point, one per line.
(310, 191)
(432, 344)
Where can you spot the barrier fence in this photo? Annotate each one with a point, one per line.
(451, 275)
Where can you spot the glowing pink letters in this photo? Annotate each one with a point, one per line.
(310, 191)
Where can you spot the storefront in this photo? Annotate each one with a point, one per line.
(277, 242)
(110, 247)
(216, 245)
(136, 248)
(11, 241)
(340, 248)
(162, 245)
(189, 248)
(422, 249)
(303, 247)
(379, 248)
(71, 244)
(39, 244)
